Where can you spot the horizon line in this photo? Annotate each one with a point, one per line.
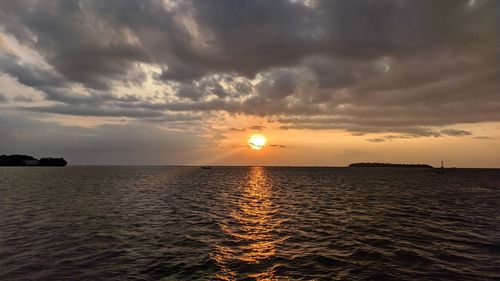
(265, 166)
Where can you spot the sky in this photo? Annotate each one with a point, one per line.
(165, 82)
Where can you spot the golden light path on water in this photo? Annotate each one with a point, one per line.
(252, 229)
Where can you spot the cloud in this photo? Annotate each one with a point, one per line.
(456, 133)
(388, 66)
(22, 99)
(277, 145)
(257, 128)
(3, 46)
(76, 38)
(129, 143)
(423, 132)
(29, 74)
(96, 111)
(3, 98)
(376, 140)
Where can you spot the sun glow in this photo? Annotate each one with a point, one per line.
(257, 141)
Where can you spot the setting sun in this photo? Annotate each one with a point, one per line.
(257, 141)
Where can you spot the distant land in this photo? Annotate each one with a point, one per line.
(26, 160)
(390, 165)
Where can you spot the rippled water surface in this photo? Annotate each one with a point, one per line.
(248, 223)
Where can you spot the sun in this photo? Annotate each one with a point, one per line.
(257, 141)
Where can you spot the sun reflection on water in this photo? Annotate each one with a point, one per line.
(251, 230)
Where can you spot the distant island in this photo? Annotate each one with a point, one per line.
(391, 165)
(26, 160)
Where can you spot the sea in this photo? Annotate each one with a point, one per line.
(248, 223)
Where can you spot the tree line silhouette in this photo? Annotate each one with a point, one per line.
(390, 165)
(27, 160)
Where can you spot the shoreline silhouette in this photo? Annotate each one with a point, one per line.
(390, 165)
(27, 160)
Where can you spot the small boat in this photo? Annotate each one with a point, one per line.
(441, 170)
(206, 167)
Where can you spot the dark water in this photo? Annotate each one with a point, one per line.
(151, 223)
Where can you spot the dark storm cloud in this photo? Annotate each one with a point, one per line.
(362, 66)
(188, 91)
(57, 88)
(54, 86)
(95, 67)
(361, 29)
(277, 85)
(255, 35)
(29, 75)
(78, 38)
(88, 41)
